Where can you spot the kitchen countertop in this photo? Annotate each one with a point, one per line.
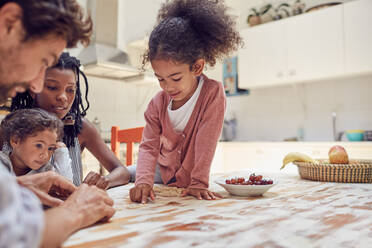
(235, 156)
(294, 213)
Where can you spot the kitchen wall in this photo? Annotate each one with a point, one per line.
(268, 114)
(116, 103)
(277, 113)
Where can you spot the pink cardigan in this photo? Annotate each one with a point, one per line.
(185, 156)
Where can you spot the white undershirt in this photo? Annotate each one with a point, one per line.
(179, 117)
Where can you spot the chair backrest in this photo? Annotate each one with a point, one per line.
(128, 136)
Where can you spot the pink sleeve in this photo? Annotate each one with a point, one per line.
(149, 147)
(207, 137)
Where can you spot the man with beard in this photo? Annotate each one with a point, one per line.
(32, 37)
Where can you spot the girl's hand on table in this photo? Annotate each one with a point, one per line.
(141, 193)
(201, 194)
(94, 178)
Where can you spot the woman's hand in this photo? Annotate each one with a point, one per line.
(91, 139)
(201, 194)
(141, 192)
(47, 183)
(94, 178)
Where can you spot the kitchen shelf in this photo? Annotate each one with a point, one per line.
(241, 92)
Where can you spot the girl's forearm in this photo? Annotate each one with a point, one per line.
(118, 176)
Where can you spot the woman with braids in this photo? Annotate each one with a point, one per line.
(184, 120)
(62, 96)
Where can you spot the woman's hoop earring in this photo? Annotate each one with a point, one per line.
(69, 120)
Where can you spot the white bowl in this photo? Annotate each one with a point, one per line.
(244, 190)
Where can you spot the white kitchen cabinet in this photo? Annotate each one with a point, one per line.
(297, 49)
(262, 61)
(358, 36)
(315, 45)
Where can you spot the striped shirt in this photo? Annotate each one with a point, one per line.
(76, 165)
(21, 214)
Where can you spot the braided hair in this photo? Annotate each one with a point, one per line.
(73, 119)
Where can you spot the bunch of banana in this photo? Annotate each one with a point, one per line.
(297, 157)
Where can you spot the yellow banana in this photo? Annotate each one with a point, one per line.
(297, 157)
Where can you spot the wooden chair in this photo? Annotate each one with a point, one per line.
(128, 136)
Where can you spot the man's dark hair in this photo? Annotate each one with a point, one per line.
(24, 123)
(78, 109)
(63, 18)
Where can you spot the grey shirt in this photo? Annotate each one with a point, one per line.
(21, 213)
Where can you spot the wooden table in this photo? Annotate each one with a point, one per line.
(294, 213)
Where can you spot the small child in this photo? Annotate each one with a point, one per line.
(184, 120)
(30, 139)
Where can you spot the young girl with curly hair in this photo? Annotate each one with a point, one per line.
(33, 138)
(184, 120)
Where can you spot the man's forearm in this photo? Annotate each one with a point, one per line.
(60, 223)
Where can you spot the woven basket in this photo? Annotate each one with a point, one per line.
(357, 171)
